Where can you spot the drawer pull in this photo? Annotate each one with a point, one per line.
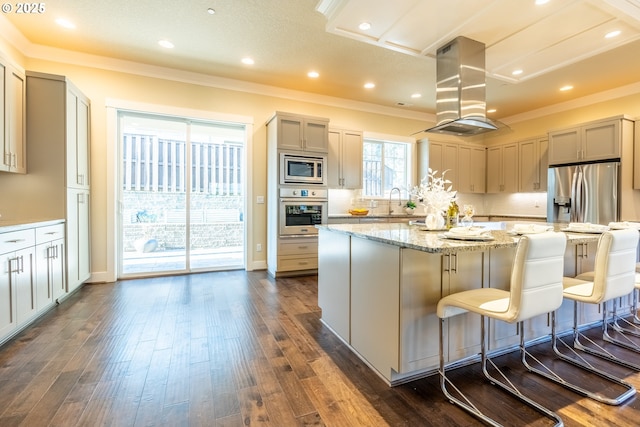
(15, 241)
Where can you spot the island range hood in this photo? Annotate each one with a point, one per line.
(460, 89)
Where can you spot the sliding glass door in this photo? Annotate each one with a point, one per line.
(181, 195)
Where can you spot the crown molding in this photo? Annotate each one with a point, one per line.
(46, 53)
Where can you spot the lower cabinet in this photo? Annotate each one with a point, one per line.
(22, 267)
(32, 275)
(17, 282)
(78, 246)
(298, 253)
(50, 262)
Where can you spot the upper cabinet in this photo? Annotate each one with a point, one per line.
(302, 133)
(344, 159)
(443, 157)
(533, 163)
(12, 125)
(77, 138)
(599, 140)
(502, 169)
(464, 164)
(472, 169)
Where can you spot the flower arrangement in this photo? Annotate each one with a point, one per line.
(434, 191)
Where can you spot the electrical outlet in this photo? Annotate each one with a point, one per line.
(259, 247)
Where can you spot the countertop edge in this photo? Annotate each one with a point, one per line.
(9, 226)
(411, 237)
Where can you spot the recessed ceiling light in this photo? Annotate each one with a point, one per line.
(540, 2)
(566, 88)
(516, 72)
(211, 11)
(364, 26)
(612, 34)
(491, 110)
(313, 74)
(65, 23)
(416, 95)
(369, 85)
(166, 44)
(248, 61)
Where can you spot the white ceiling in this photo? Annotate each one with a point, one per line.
(556, 44)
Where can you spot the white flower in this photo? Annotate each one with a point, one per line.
(435, 191)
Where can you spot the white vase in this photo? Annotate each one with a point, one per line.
(434, 220)
(409, 211)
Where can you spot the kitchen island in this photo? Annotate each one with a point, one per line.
(379, 284)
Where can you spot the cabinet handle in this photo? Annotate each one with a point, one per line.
(11, 269)
(19, 264)
(303, 263)
(14, 241)
(446, 263)
(303, 247)
(455, 264)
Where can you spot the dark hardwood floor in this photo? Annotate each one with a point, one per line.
(236, 349)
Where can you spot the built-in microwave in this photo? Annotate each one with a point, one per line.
(297, 169)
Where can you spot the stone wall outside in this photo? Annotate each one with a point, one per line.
(217, 221)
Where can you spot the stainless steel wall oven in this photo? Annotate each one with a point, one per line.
(300, 210)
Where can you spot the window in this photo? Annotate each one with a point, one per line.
(386, 164)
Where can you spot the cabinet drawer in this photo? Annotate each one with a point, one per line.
(49, 233)
(16, 240)
(293, 264)
(299, 248)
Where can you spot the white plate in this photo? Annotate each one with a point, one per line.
(583, 230)
(533, 231)
(624, 225)
(457, 236)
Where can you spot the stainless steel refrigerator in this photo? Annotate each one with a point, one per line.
(588, 192)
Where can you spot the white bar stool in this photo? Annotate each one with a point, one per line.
(613, 277)
(623, 326)
(535, 288)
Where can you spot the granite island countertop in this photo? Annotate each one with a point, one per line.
(415, 237)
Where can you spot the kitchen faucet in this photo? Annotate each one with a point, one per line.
(390, 194)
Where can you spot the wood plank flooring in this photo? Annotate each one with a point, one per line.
(236, 349)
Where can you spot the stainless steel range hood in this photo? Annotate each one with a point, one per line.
(460, 89)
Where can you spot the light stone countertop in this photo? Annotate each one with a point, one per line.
(415, 237)
(7, 226)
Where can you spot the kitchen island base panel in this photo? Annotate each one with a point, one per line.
(334, 292)
(375, 293)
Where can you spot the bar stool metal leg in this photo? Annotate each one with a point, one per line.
(508, 387)
(580, 362)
